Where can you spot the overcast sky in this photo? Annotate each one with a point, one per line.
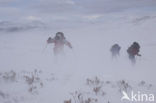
(30, 14)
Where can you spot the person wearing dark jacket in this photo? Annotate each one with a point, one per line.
(115, 50)
(133, 51)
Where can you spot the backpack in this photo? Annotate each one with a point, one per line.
(134, 49)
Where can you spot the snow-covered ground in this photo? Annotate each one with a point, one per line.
(29, 72)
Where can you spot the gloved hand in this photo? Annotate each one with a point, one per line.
(138, 54)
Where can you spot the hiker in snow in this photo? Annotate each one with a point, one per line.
(115, 50)
(59, 41)
(133, 51)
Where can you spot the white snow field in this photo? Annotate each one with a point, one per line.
(29, 72)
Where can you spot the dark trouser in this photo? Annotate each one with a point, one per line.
(132, 58)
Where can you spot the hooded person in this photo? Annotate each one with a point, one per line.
(133, 51)
(59, 41)
(115, 50)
